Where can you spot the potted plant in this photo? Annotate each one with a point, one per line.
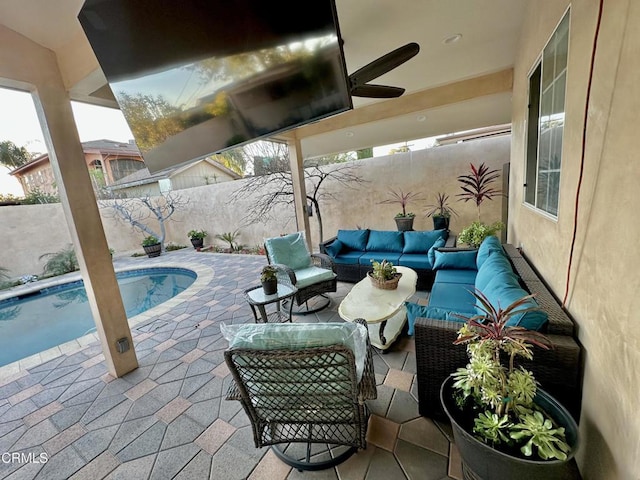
(384, 275)
(441, 212)
(474, 234)
(197, 237)
(152, 246)
(404, 219)
(477, 185)
(269, 279)
(503, 424)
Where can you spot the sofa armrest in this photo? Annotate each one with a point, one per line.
(323, 245)
(451, 241)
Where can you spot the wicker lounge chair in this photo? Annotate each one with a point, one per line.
(306, 403)
(312, 274)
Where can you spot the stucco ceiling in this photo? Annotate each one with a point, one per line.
(370, 28)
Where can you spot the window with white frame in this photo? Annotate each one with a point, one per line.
(545, 126)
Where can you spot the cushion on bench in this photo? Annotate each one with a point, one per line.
(354, 239)
(422, 241)
(385, 241)
(365, 258)
(456, 276)
(453, 296)
(350, 257)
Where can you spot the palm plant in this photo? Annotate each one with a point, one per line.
(59, 263)
(403, 199)
(477, 185)
(230, 238)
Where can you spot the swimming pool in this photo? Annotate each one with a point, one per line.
(39, 320)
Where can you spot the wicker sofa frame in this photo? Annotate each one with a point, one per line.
(355, 273)
(558, 370)
(309, 396)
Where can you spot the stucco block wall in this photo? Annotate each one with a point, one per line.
(208, 207)
(604, 283)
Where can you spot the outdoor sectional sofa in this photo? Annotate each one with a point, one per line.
(503, 275)
(353, 250)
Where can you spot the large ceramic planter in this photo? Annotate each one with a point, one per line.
(404, 224)
(482, 462)
(197, 242)
(440, 222)
(153, 250)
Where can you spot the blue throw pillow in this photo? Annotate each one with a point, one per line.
(494, 265)
(459, 260)
(354, 239)
(441, 242)
(421, 242)
(334, 248)
(415, 311)
(385, 241)
(501, 295)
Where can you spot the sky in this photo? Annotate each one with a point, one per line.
(19, 123)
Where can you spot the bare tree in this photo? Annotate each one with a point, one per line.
(137, 211)
(276, 189)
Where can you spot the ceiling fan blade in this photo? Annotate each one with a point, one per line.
(384, 64)
(376, 91)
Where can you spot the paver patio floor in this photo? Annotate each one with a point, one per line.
(168, 418)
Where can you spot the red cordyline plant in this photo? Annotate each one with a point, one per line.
(476, 186)
(402, 199)
(503, 395)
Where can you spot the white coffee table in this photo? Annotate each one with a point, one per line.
(383, 310)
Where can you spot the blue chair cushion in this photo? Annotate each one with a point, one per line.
(415, 311)
(354, 239)
(365, 258)
(501, 295)
(298, 336)
(441, 242)
(290, 250)
(492, 266)
(467, 277)
(335, 247)
(457, 260)
(489, 245)
(350, 257)
(453, 296)
(415, 260)
(421, 242)
(310, 275)
(385, 241)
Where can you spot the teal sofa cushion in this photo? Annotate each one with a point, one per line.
(501, 295)
(491, 267)
(421, 242)
(488, 245)
(354, 239)
(415, 260)
(365, 258)
(456, 276)
(415, 311)
(441, 242)
(290, 250)
(457, 260)
(385, 241)
(350, 257)
(335, 247)
(453, 296)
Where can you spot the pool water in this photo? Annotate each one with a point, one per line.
(36, 322)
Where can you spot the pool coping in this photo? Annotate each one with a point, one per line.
(12, 371)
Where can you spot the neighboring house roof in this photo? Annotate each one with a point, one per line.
(104, 147)
(144, 177)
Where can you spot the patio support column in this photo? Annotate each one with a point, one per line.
(299, 188)
(83, 218)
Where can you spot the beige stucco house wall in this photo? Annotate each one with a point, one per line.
(604, 283)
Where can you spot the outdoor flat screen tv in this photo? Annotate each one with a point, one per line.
(196, 77)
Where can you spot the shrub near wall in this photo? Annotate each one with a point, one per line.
(28, 231)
